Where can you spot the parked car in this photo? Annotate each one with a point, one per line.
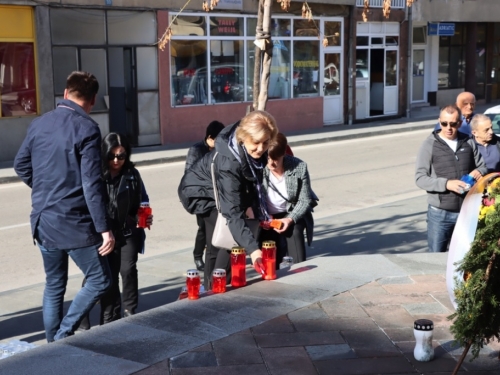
(494, 114)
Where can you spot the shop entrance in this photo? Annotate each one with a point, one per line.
(123, 111)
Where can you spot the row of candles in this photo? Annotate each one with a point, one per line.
(238, 271)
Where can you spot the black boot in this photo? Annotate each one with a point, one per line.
(200, 266)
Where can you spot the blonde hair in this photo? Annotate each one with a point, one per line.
(257, 125)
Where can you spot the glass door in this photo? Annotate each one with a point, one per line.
(332, 107)
(391, 99)
(418, 70)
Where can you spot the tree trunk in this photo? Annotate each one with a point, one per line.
(268, 56)
(258, 56)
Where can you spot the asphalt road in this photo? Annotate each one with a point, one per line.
(368, 203)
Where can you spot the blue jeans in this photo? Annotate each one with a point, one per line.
(96, 271)
(440, 225)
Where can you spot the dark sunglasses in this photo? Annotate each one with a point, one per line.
(446, 124)
(121, 156)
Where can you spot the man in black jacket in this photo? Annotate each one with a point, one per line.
(195, 153)
(60, 161)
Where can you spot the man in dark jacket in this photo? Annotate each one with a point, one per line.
(487, 143)
(195, 153)
(444, 157)
(60, 161)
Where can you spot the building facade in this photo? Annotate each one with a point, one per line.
(456, 48)
(206, 72)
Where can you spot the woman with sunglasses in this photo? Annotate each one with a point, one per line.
(126, 193)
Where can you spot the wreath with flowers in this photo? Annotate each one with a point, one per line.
(477, 292)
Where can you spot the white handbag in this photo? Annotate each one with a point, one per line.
(222, 236)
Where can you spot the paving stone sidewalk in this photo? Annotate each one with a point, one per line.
(367, 330)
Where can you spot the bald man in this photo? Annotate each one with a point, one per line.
(466, 102)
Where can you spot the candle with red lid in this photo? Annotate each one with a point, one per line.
(193, 284)
(142, 215)
(238, 267)
(269, 259)
(219, 280)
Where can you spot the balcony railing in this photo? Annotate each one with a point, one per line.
(396, 4)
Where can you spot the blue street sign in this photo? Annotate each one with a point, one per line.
(441, 29)
(109, 2)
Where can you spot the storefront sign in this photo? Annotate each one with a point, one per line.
(228, 26)
(230, 4)
(441, 29)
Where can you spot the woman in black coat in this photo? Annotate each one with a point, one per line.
(126, 193)
(241, 156)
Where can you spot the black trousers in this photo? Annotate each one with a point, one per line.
(200, 240)
(290, 242)
(128, 271)
(109, 301)
(214, 257)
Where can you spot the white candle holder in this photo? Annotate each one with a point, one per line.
(423, 330)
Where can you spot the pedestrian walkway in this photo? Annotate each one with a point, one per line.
(328, 315)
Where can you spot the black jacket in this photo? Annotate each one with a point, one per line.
(195, 153)
(126, 192)
(60, 160)
(235, 187)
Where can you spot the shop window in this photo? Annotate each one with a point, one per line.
(189, 25)
(226, 26)
(189, 72)
(391, 40)
(332, 76)
(305, 68)
(17, 79)
(147, 68)
(362, 40)
(251, 26)
(420, 35)
(94, 60)
(362, 63)
(451, 70)
(64, 61)
(126, 27)
(391, 68)
(77, 27)
(333, 33)
(227, 71)
(303, 27)
(280, 27)
(279, 80)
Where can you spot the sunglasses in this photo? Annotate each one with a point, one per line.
(445, 124)
(121, 156)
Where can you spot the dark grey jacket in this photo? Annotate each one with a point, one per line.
(234, 183)
(437, 163)
(195, 153)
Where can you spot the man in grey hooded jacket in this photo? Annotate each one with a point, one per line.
(443, 159)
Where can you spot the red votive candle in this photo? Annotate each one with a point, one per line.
(193, 284)
(269, 259)
(143, 214)
(219, 280)
(238, 267)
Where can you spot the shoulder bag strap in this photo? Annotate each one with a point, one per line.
(269, 183)
(216, 192)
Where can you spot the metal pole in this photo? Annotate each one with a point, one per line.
(410, 70)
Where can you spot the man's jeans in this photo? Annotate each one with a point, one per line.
(96, 271)
(440, 225)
